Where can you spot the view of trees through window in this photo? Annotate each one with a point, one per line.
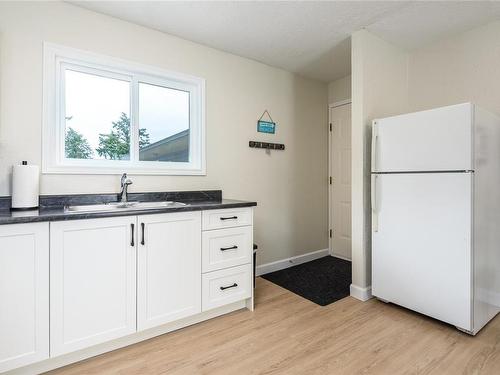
(113, 146)
(97, 110)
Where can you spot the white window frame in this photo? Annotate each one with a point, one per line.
(58, 58)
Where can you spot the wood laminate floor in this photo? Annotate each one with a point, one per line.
(287, 334)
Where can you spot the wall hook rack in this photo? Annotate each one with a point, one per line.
(266, 145)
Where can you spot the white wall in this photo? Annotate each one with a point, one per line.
(290, 187)
(379, 89)
(465, 67)
(339, 90)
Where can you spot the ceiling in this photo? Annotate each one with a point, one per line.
(310, 38)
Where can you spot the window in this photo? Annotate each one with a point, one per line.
(103, 115)
(159, 106)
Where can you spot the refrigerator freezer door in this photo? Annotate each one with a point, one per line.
(435, 140)
(421, 249)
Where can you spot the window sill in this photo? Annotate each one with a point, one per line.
(75, 170)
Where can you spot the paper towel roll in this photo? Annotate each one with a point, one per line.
(25, 186)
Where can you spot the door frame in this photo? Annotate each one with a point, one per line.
(330, 185)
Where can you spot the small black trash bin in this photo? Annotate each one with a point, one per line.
(255, 247)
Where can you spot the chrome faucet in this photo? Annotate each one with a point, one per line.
(124, 182)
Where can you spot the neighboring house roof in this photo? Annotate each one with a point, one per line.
(173, 148)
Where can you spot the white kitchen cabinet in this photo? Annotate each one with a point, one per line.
(24, 294)
(92, 282)
(107, 278)
(168, 268)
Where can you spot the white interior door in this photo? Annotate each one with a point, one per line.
(434, 140)
(421, 243)
(340, 182)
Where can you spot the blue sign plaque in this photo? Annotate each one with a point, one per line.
(266, 127)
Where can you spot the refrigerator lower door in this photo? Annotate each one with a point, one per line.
(421, 243)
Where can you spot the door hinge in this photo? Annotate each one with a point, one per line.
(331, 233)
(330, 126)
(331, 180)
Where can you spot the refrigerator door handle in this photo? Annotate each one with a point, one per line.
(374, 146)
(374, 203)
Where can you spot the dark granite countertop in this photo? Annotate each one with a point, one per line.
(52, 207)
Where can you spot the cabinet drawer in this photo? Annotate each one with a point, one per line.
(226, 286)
(226, 218)
(224, 248)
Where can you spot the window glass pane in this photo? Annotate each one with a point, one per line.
(163, 123)
(97, 117)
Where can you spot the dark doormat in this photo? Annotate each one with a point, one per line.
(322, 281)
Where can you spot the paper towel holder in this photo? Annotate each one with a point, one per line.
(25, 187)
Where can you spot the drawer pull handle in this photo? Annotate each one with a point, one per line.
(229, 218)
(132, 243)
(227, 287)
(228, 248)
(142, 229)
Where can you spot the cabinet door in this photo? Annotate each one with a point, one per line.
(92, 282)
(169, 268)
(24, 294)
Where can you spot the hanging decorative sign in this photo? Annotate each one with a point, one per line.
(266, 126)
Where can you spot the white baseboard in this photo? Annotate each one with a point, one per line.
(290, 262)
(340, 257)
(363, 294)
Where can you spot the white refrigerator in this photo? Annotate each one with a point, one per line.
(435, 196)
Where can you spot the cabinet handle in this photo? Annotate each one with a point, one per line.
(142, 229)
(229, 218)
(132, 226)
(228, 248)
(227, 287)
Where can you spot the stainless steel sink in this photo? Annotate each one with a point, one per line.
(116, 206)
